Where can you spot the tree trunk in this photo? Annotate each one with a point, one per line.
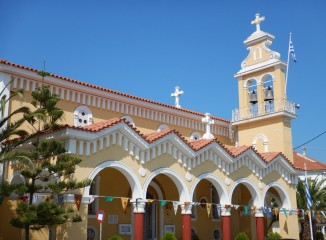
(26, 233)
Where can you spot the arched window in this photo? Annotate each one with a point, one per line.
(195, 136)
(91, 233)
(260, 142)
(129, 119)
(162, 127)
(216, 234)
(82, 116)
(257, 53)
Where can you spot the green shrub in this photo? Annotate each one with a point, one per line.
(242, 236)
(272, 235)
(115, 237)
(168, 236)
(77, 218)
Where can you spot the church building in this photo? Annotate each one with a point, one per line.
(158, 168)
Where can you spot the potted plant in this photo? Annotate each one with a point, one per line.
(242, 236)
(169, 236)
(115, 237)
(273, 235)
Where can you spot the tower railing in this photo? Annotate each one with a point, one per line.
(262, 109)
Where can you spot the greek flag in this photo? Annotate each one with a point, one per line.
(291, 49)
(309, 201)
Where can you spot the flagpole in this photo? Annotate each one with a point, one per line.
(287, 66)
(308, 205)
(311, 233)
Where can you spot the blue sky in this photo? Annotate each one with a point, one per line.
(147, 47)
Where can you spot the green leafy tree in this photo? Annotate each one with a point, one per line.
(317, 189)
(11, 132)
(50, 171)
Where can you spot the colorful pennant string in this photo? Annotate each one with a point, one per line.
(108, 198)
(245, 207)
(208, 207)
(162, 203)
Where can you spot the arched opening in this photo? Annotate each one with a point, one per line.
(113, 187)
(268, 89)
(251, 86)
(244, 198)
(208, 193)
(260, 143)
(195, 136)
(82, 116)
(168, 190)
(276, 207)
(159, 211)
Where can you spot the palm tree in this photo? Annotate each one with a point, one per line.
(317, 189)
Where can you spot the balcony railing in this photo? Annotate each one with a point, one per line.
(263, 109)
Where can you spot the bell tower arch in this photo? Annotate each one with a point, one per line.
(263, 109)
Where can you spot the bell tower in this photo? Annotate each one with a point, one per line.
(264, 116)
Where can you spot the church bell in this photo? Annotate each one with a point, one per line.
(269, 96)
(253, 97)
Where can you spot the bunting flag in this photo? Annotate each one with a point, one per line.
(162, 203)
(245, 207)
(236, 207)
(264, 210)
(208, 208)
(186, 203)
(124, 202)
(91, 199)
(253, 209)
(60, 199)
(108, 198)
(150, 200)
(175, 207)
(24, 198)
(276, 211)
(285, 213)
(227, 206)
(47, 198)
(270, 212)
(78, 198)
(299, 212)
(1, 199)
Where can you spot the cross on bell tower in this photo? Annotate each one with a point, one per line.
(257, 21)
(263, 119)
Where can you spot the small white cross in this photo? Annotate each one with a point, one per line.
(207, 119)
(176, 94)
(257, 21)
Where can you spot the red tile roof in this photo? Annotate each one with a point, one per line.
(299, 160)
(311, 164)
(157, 135)
(236, 151)
(269, 156)
(101, 125)
(113, 91)
(199, 144)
